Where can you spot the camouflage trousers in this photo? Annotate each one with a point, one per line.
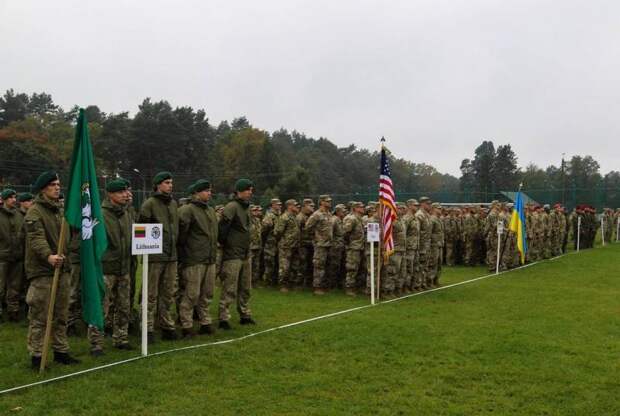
(198, 283)
(236, 285)
(369, 265)
(304, 271)
(334, 267)
(469, 252)
(421, 278)
(492, 253)
(269, 264)
(395, 271)
(287, 266)
(116, 308)
(319, 262)
(38, 300)
(75, 297)
(450, 250)
(434, 266)
(12, 285)
(162, 287)
(353, 267)
(255, 256)
(411, 264)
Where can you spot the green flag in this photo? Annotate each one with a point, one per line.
(83, 213)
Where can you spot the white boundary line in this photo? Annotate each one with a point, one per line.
(265, 331)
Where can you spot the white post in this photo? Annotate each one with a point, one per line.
(372, 273)
(145, 303)
(500, 230)
(603, 229)
(618, 229)
(578, 233)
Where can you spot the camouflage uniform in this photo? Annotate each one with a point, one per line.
(424, 250)
(11, 259)
(255, 246)
(451, 235)
(396, 267)
(412, 231)
(270, 247)
(336, 254)
(354, 238)
(320, 224)
(288, 236)
(436, 250)
(306, 249)
(470, 231)
(490, 233)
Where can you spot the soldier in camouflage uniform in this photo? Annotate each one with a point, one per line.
(548, 231)
(436, 248)
(11, 254)
(424, 248)
(270, 247)
(397, 266)
(116, 265)
(43, 223)
(306, 248)
(288, 237)
(490, 233)
(412, 232)
(469, 234)
(320, 225)
(372, 216)
(336, 254)
(256, 242)
(451, 231)
(354, 237)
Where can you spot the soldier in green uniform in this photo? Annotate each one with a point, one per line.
(469, 234)
(306, 248)
(43, 223)
(160, 208)
(320, 226)
(270, 246)
(490, 233)
(334, 258)
(288, 236)
(11, 255)
(234, 236)
(424, 250)
(436, 247)
(198, 228)
(116, 265)
(412, 235)
(354, 237)
(256, 242)
(394, 283)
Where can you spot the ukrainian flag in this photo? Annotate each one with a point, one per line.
(517, 225)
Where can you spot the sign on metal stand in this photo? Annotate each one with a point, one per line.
(146, 239)
(373, 233)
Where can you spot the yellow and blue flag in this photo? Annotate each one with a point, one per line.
(517, 225)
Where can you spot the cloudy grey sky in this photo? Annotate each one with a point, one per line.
(435, 77)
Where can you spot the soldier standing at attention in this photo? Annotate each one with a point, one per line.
(11, 255)
(334, 259)
(320, 225)
(437, 241)
(396, 268)
(423, 216)
(198, 228)
(43, 223)
(354, 238)
(287, 235)
(304, 272)
(116, 265)
(234, 235)
(256, 242)
(160, 208)
(270, 246)
(412, 226)
(490, 234)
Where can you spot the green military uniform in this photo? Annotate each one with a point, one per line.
(320, 225)
(353, 230)
(394, 281)
(116, 265)
(288, 237)
(412, 227)
(162, 280)
(270, 246)
(436, 249)
(490, 234)
(470, 231)
(198, 228)
(306, 249)
(256, 245)
(11, 257)
(422, 281)
(336, 254)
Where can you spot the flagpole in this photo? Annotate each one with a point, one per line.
(52, 301)
(380, 255)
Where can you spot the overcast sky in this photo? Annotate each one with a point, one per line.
(435, 77)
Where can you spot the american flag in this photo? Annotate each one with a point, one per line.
(386, 199)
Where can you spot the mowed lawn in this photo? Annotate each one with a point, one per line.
(544, 340)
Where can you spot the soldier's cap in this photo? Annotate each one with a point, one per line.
(350, 203)
(308, 201)
(276, 201)
(372, 204)
(325, 198)
(290, 202)
(201, 185)
(340, 207)
(401, 205)
(243, 185)
(436, 205)
(25, 196)
(425, 199)
(161, 176)
(510, 205)
(7, 193)
(116, 185)
(45, 179)
(412, 201)
(191, 189)
(358, 204)
(495, 202)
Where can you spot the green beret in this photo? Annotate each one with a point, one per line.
(44, 179)
(124, 180)
(243, 185)
(161, 176)
(7, 193)
(25, 196)
(201, 185)
(117, 185)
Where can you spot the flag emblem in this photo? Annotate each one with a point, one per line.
(140, 232)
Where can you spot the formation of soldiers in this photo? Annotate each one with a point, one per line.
(293, 245)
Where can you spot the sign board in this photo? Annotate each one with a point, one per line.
(147, 239)
(373, 232)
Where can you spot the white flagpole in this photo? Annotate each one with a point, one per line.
(372, 273)
(145, 303)
(499, 244)
(578, 233)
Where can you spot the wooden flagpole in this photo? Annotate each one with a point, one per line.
(52, 302)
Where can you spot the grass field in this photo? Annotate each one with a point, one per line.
(544, 340)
